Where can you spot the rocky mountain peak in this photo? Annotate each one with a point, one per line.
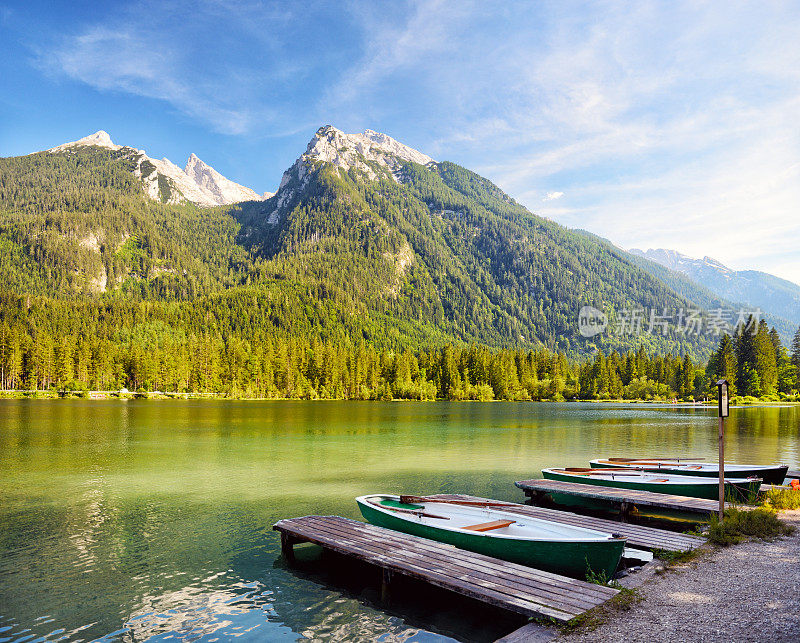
(99, 139)
(222, 190)
(334, 146)
(198, 183)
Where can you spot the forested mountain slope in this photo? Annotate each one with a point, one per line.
(778, 297)
(365, 238)
(701, 296)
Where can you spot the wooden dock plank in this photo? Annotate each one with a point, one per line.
(552, 584)
(793, 475)
(517, 588)
(637, 535)
(561, 588)
(493, 593)
(620, 496)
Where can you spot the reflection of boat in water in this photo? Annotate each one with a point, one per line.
(741, 489)
(769, 473)
(487, 529)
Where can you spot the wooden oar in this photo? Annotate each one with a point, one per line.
(412, 500)
(416, 512)
(600, 472)
(654, 458)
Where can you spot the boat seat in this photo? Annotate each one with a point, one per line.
(488, 526)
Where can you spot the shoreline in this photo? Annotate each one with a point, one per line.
(172, 395)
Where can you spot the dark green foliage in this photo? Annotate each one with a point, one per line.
(66, 221)
(436, 286)
(754, 362)
(243, 343)
(782, 499)
(738, 525)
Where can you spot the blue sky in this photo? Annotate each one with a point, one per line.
(662, 124)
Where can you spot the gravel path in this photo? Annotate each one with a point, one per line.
(748, 593)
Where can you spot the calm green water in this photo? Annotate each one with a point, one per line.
(152, 520)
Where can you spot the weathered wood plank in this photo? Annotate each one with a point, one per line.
(530, 633)
(793, 474)
(513, 587)
(369, 553)
(470, 588)
(567, 597)
(637, 535)
(622, 496)
(494, 565)
(515, 580)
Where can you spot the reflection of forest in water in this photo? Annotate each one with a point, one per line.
(149, 517)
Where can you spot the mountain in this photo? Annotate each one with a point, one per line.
(164, 181)
(779, 297)
(436, 243)
(365, 238)
(223, 191)
(700, 296)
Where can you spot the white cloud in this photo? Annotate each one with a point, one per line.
(553, 196)
(668, 124)
(130, 62)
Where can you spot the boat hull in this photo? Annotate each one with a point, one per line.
(576, 559)
(739, 492)
(769, 475)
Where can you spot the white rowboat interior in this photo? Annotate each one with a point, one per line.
(683, 466)
(643, 477)
(460, 518)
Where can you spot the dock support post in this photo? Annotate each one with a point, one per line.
(624, 511)
(386, 582)
(287, 547)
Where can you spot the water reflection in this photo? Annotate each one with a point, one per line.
(146, 519)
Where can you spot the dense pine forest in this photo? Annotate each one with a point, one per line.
(147, 347)
(432, 285)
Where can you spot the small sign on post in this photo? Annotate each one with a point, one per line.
(723, 410)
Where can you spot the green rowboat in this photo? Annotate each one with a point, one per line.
(769, 473)
(486, 529)
(737, 489)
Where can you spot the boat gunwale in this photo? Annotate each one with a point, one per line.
(602, 537)
(628, 463)
(677, 479)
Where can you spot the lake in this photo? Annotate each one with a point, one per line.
(143, 519)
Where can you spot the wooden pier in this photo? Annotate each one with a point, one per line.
(509, 586)
(637, 535)
(626, 500)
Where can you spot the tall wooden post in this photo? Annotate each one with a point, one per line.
(722, 399)
(721, 468)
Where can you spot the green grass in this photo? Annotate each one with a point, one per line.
(738, 525)
(597, 616)
(676, 557)
(782, 499)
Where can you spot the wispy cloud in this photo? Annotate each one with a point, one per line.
(128, 61)
(668, 124)
(665, 124)
(225, 64)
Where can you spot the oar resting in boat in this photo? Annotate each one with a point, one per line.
(416, 512)
(741, 489)
(485, 527)
(411, 500)
(769, 473)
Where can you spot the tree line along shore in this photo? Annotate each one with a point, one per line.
(158, 358)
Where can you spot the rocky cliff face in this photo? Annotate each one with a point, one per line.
(164, 181)
(220, 189)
